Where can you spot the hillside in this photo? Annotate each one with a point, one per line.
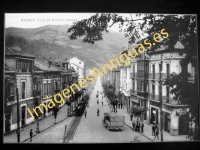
(53, 41)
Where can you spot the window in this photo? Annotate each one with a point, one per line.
(45, 89)
(160, 90)
(160, 68)
(145, 87)
(11, 89)
(153, 71)
(49, 88)
(167, 95)
(30, 66)
(153, 91)
(167, 67)
(23, 90)
(184, 69)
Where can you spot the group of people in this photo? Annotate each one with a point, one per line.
(155, 131)
(120, 105)
(138, 125)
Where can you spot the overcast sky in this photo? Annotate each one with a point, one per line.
(34, 20)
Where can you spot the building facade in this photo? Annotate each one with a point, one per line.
(78, 65)
(19, 68)
(161, 64)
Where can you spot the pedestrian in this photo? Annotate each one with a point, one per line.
(142, 127)
(133, 124)
(118, 105)
(121, 105)
(31, 135)
(102, 103)
(153, 130)
(137, 125)
(156, 132)
(131, 116)
(85, 113)
(97, 112)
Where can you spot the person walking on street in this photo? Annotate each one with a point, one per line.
(121, 105)
(102, 103)
(85, 113)
(97, 112)
(153, 130)
(138, 125)
(31, 135)
(142, 127)
(156, 132)
(131, 116)
(133, 124)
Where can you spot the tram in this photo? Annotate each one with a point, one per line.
(80, 108)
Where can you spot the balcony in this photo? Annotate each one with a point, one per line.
(156, 76)
(142, 94)
(133, 92)
(11, 98)
(133, 75)
(191, 79)
(36, 93)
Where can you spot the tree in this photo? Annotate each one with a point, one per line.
(181, 28)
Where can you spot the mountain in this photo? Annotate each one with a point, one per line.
(53, 41)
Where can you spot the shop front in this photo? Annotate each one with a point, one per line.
(167, 122)
(154, 116)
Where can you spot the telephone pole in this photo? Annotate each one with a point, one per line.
(18, 118)
(160, 98)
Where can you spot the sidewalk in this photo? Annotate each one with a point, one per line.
(148, 130)
(44, 124)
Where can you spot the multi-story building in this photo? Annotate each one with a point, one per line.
(125, 86)
(78, 65)
(173, 111)
(19, 69)
(51, 81)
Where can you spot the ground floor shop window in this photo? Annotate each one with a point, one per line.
(167, 122)
(154, 116)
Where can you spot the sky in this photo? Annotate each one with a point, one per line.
(34, 20)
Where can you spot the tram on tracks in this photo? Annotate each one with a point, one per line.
(80, 108)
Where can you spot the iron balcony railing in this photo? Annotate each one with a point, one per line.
(36, 93)
(11, 98)
(156, 76)
(164, 98)
(133, 92)
(133, 75)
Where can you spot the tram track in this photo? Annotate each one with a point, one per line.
(70, 134)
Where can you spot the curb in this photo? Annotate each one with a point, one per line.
(139, 132)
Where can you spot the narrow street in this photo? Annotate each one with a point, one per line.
(91, 129)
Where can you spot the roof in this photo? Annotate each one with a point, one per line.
(44, 66)
(14, 52)
(113, 114)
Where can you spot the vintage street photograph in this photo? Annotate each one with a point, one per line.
(100, 78)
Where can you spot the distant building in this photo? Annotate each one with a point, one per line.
(78, 65)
